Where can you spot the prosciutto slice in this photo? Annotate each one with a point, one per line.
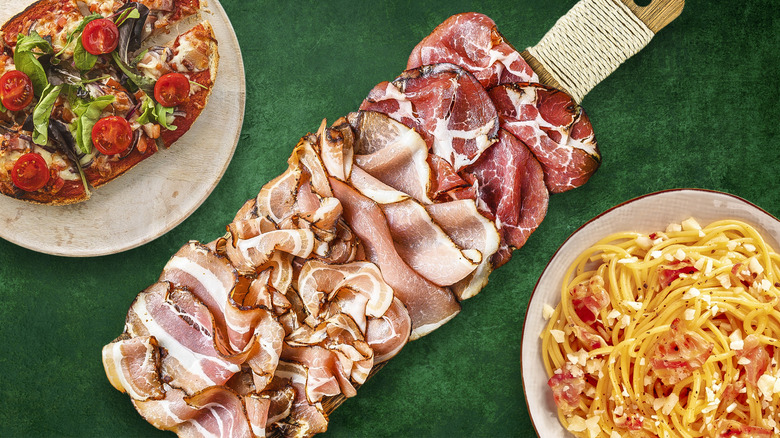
(429, 306)
(472, 41)
(448, 106)
(554, 127)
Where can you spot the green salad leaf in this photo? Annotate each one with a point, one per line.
(42, 112)
(87, 114)
(28, 49)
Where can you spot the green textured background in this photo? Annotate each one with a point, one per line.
(698, 107)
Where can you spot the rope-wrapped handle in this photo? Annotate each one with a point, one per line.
(591, 41)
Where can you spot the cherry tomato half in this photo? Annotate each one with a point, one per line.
(16, 90)
(100, 36)
(30, 172)
(112, 135)
(172, 89)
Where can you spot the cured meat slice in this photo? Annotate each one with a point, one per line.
(318, 281)
(423, 245)
(183, 326)
(304, 419)
(213, 412)
(472, 41)
(554, 127)
(469, 229)
(429, 306)
(388, 334)
(510, 190)
(451, 110)
(392, 153)
(132, 366)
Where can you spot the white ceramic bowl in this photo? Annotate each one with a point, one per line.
(646, 214)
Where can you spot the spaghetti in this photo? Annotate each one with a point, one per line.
(672, 334)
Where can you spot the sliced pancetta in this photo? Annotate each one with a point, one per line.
(554, 127)
(472, 41)
(184, 329)
(132, 366)
(216, 411)
(388, 334)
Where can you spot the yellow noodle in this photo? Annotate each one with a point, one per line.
(732, 292)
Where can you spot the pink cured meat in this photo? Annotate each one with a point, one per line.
(429, 306)
(472, 41)
(554, 128)
(446, 104)
(510, 184)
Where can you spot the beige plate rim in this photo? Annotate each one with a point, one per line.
(156, 195)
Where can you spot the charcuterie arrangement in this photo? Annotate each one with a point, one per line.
(86, 96)
(675, 330)
(382, 224)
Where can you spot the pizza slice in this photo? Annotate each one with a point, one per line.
(76, 92)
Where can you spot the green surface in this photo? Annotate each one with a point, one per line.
(698, 107)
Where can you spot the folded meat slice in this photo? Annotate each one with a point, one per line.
(554, 128)
(472, 41)
(424, 246)
(510, 190)
(184, 329)
(451, 110)
(248, 254)
(319, 282)
(392, 153)
(304, 419)
(388, 334)
(429, 306)
(469, 229)
(132, 366)
(215, 411)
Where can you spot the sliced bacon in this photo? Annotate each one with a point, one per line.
(247, 255)
(735, 429)
(678, 352)
(389, 333)
(304, 419)
(216, 411)
(429, 306)
(132, 366)
(554, 128)
(671, 272)
(325, 376)
(472, 41)
(318, 281)
(336, 150)
(392, 153)
(452, 111)
(757, 358)
(183, 327)
(511, 190)
(588, 298)
(567, 384)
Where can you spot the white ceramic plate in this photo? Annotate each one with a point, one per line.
(646, 214)
(157, 194)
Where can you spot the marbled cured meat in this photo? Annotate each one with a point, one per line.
(510, 189)
(449, 108)
(472, 41)
(554, 127)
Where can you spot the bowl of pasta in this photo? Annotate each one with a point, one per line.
(659, 317)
